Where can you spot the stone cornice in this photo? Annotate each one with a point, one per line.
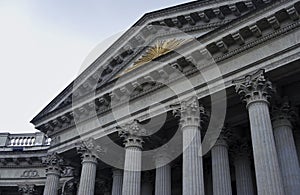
(125, 37)
(246, 46)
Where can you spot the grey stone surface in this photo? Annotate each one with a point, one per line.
(287, 155)
(163, 180)
(243, 174)
(192, 165)
(117, 182)
(88, 174)
(220, 168)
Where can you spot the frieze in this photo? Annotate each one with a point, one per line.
(112, 49)
(30, 174)
(27, 188)
(246, 46)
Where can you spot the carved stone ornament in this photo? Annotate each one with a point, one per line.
(225, 136)
(53, 159)
(30, 174)
(53, 162)
(254, 87)
(89, 149)
(26, 188)
(190, 112)
(241, 148)
(132, 133)
(104, 185)
(69, 187)
(284, 111)
(160, 48)
(68, 171)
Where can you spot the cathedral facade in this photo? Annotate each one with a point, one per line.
(197, 99)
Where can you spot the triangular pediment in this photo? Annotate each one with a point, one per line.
(164, 30)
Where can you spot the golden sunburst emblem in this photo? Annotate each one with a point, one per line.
(160, 48)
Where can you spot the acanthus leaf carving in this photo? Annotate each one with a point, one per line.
(254, 87)
(132, 133)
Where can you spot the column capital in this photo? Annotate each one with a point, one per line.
(89, 150)
(117, 172)
(224, 137)
(241, 149)
(254, 87)
(162, 158)
(132, 133)
(283, 114)
(189, 111)
(26, 188)
(53, 162)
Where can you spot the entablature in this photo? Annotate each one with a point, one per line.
(205, 15)
(286, 15)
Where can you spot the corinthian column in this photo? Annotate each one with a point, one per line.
(193, 183)
(26, 189)
(117, 182)
(220, 166)
(286, 148)
(297, 142)
(89, 162)
(53, 171)
(255, 90)
(242, 164)
(132, 134)
(163, 175)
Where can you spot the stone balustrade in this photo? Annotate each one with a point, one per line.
(24, 140)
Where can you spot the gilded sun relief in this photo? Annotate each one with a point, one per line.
(160, 48)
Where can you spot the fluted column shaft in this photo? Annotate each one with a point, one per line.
(266, 163)
(244, 183)
(117, 182)
(256, 91)
(163, 180)
(53, 162)
(132, 171)
(221, 169)
(88, 174)
(193, 183)
(287, 155)
(52, 180)
(297, 143)
(132, 133)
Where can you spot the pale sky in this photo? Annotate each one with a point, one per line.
(43, 44)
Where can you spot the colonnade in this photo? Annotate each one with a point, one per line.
(273, 149)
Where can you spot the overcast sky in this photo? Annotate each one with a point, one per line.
(43, 44)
